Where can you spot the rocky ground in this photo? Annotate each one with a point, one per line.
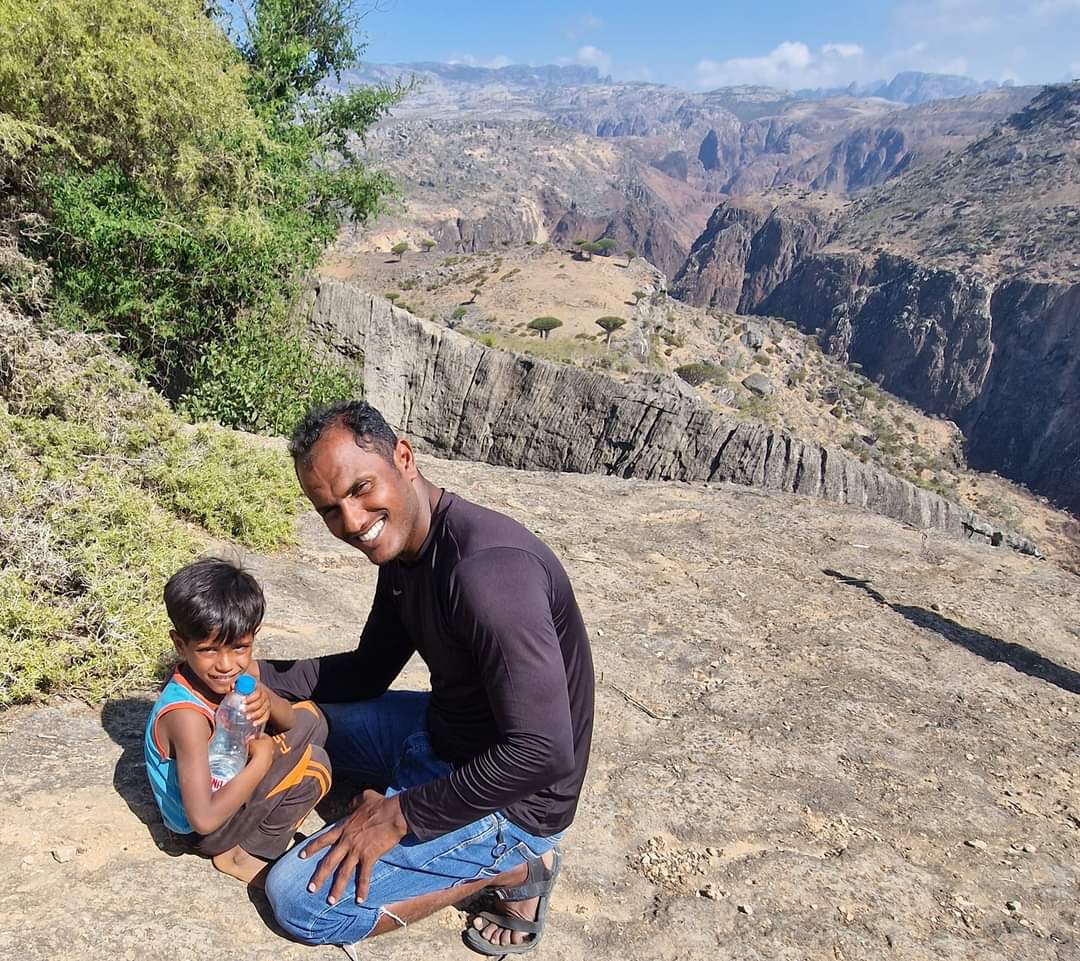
(820, 735)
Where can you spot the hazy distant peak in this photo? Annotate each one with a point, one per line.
(909, 86)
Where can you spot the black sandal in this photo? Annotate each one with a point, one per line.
(539, 883)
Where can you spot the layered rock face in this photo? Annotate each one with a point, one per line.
(712, 275)
(461, 399)
(864, 159)
(642, 223)
(999, 359)
(748, 248)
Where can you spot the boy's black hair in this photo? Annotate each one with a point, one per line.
(368, 426)
(214, 598)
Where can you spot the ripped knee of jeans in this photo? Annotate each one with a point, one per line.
(384, 911)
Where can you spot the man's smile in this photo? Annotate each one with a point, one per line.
(371, 533)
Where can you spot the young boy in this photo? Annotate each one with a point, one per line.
(216, 610)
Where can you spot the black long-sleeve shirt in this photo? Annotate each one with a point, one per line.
(491, 611)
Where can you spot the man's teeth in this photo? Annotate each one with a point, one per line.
(372, 532)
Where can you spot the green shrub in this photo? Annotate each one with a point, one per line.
(101, 489)
(264, 376)
(701, 373)
(38, 640)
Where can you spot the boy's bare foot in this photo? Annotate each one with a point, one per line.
(245, 867)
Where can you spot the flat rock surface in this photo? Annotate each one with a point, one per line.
(820, 734)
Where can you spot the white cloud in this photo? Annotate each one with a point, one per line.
(981, 17)
(1049, 9)
(582, 26)
(589, 56)
(468, 60)
(845, 50)
(791, 64)
(954, 65)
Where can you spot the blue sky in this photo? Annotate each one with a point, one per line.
(708, 43)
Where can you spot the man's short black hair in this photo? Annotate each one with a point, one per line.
(214, 598)
(368, 426)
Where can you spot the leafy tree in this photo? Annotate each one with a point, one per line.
(184, 186)
(639, 296)
(629, 254)
(544, 325)
(392, 297)
(605, 246)
(476, 291)
(399, 248)
(456, 316)
(427, 243)
(609, 325)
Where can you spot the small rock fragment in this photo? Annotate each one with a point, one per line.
(64, 853)
(1012, 906)
(745, 909)
(976, 843)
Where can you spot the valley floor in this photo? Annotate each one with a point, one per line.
(820, 735)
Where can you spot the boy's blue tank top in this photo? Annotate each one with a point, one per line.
(160, 767)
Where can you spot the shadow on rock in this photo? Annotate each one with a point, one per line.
(1017, 656)
(124, 721)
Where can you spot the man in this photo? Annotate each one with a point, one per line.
(483, 775)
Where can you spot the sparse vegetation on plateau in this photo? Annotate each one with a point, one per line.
(544, 325)
(609, 325)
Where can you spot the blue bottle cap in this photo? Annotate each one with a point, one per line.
(245, 684)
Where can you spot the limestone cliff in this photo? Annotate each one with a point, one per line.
(998, 358)
(462, 399)
(751, 245)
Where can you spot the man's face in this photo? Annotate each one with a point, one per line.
(365, 500)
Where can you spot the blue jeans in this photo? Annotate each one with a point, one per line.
(386, 739)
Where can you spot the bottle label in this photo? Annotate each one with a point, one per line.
(217, 783)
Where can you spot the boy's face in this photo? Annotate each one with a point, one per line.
(216, 665)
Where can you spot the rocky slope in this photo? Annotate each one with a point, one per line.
(968, 307)
(751, 245)
(460, 398)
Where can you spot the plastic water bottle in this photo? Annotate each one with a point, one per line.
(228, 747)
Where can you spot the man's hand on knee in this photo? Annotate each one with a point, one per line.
(358, 841)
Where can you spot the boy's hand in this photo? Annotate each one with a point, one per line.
(261, 751)
(257, 706)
